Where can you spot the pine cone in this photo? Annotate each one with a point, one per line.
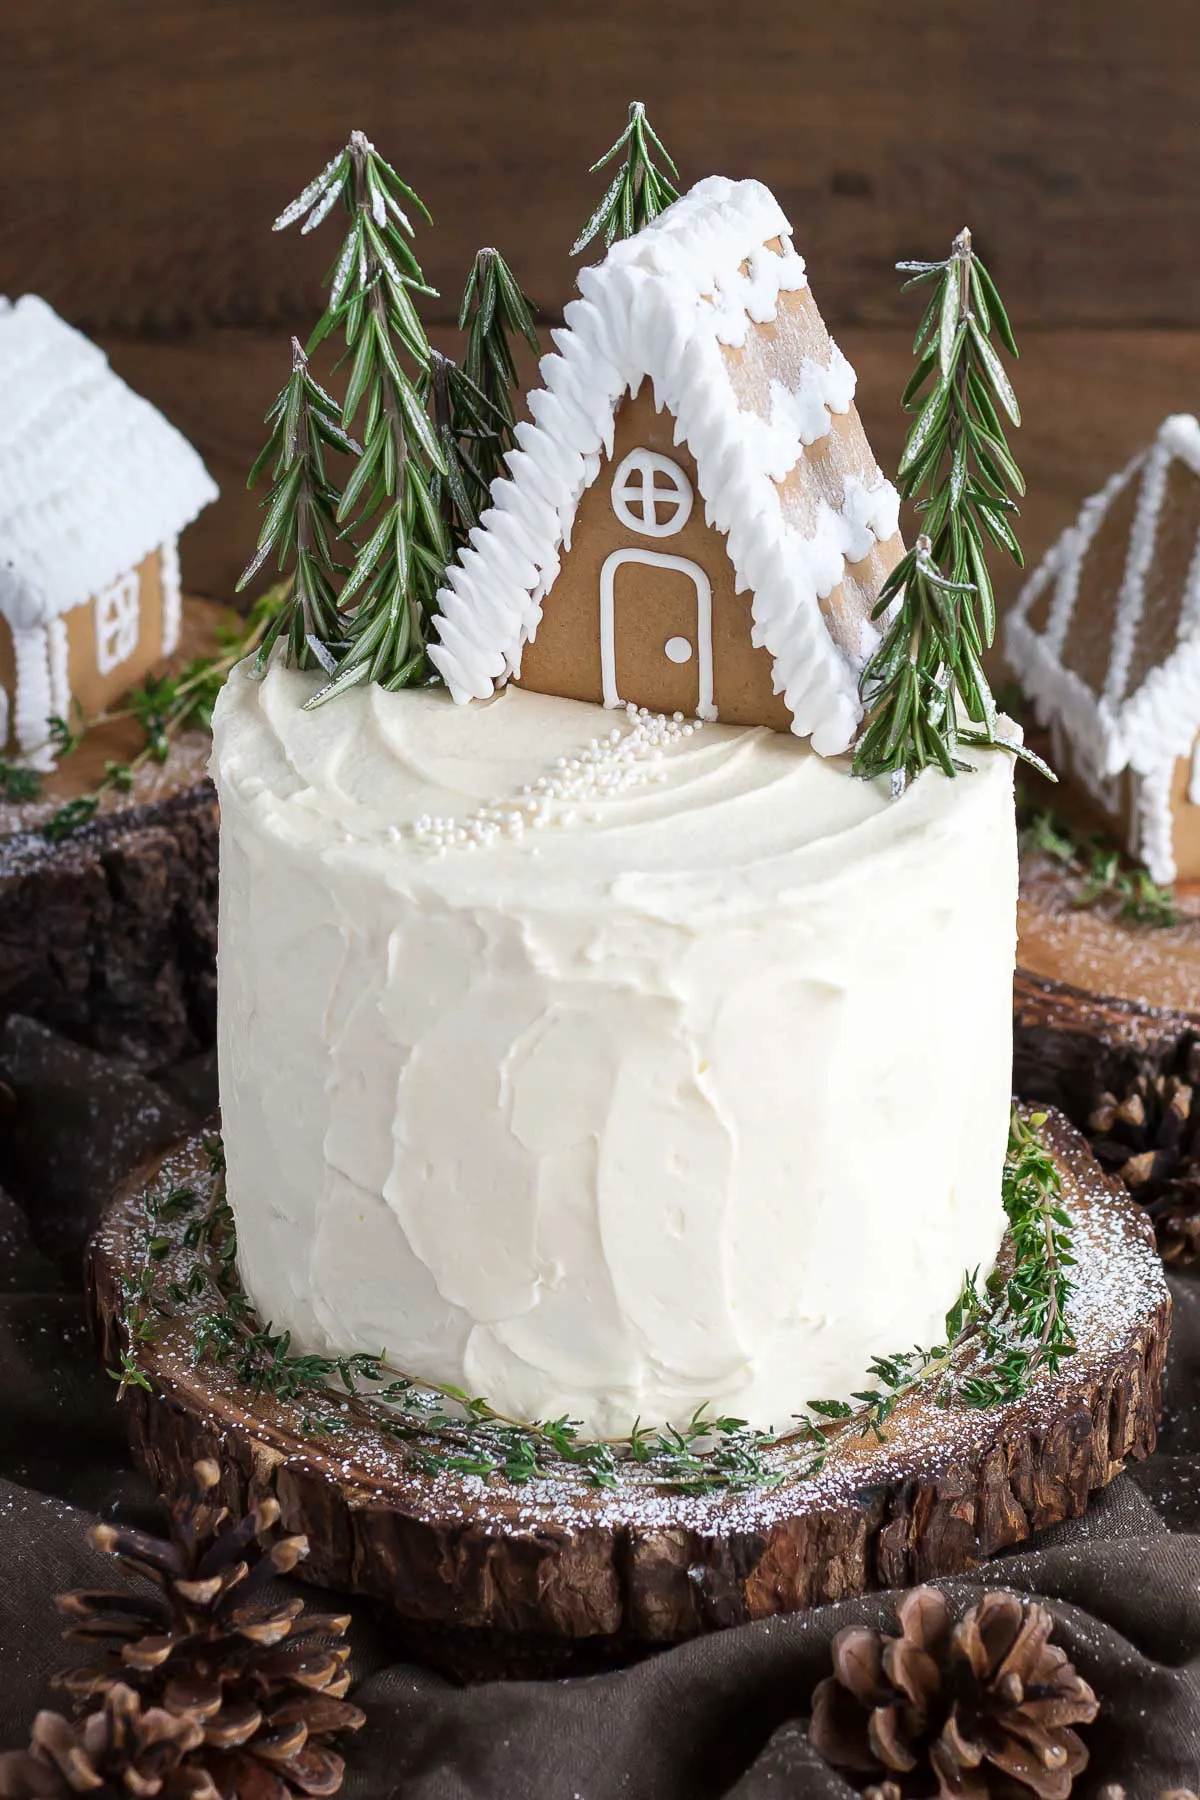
(1149, 1135)
(265, 1680)
(118, 1750)
(981, 1710)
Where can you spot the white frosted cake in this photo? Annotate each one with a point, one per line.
(594, 1061)
(704, 1098)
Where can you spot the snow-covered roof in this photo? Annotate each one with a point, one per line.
(92, 477)
(1105, 637)
(670, 304)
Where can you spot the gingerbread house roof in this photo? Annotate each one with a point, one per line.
(1105, 637)
(670, 304)
(92, 477)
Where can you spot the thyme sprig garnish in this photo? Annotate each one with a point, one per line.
(639, 191)
(924, 687)
(996, 1338)
(1103, 874)
(1025, 1326)
(163, 707)
(18, 782)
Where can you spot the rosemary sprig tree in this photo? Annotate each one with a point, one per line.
(926, 677)
(472, 406)
(639, 191)
(391, 495)
(467, 429)
(301, 520)
(493, 313)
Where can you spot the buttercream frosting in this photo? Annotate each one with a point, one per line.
(681, 1080)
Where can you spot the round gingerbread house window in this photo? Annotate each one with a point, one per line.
(651, 494)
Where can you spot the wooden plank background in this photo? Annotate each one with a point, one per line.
(147, 147)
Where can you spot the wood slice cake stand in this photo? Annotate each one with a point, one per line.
(109, 935)
(486, 1576)
(1107, 1027)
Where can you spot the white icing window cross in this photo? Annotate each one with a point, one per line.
(651, 494)
(117, 623)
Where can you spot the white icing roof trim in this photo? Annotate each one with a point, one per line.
(92, 477)
(1115, 730)
(662, 305)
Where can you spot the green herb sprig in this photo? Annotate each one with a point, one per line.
(1025, 1327)
(300, 526)
(390, 502)
(472, 405)
(924, 688)
(996, 1338)
(1103, 874)
(18, 782)
(639, 191)
(493, 313)
(957, 466)
(467, 431)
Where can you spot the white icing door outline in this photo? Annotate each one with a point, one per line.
(656, 559)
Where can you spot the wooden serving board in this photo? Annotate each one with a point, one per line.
(487, 1577)
(109, 935)
(1107, 1028)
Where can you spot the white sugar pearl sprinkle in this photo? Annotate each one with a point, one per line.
(607, 768)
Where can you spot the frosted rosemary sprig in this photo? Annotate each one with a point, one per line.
(301, 520)
(391, 494)
(472, 405)
(957, 466)
(467, 431)
(493, 313)
(639, 191)
(924, 688)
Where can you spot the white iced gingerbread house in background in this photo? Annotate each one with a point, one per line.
(1105, 640)
(95, 487)
(694, 520)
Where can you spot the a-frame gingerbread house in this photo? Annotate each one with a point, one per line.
(1105, 640)
(694, 521)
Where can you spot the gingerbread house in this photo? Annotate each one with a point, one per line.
(95, 487)
(1105, 640)
(693, 520)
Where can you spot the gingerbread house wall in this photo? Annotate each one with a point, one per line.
(1116, 805)
(1185, 820)
(652, 605)
(91, 688)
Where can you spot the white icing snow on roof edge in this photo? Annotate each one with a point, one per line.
(1159, 721)
(92, 477)
(662, 305)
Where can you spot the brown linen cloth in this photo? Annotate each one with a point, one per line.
(723, 1716)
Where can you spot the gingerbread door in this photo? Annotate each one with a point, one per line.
(662, 610)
